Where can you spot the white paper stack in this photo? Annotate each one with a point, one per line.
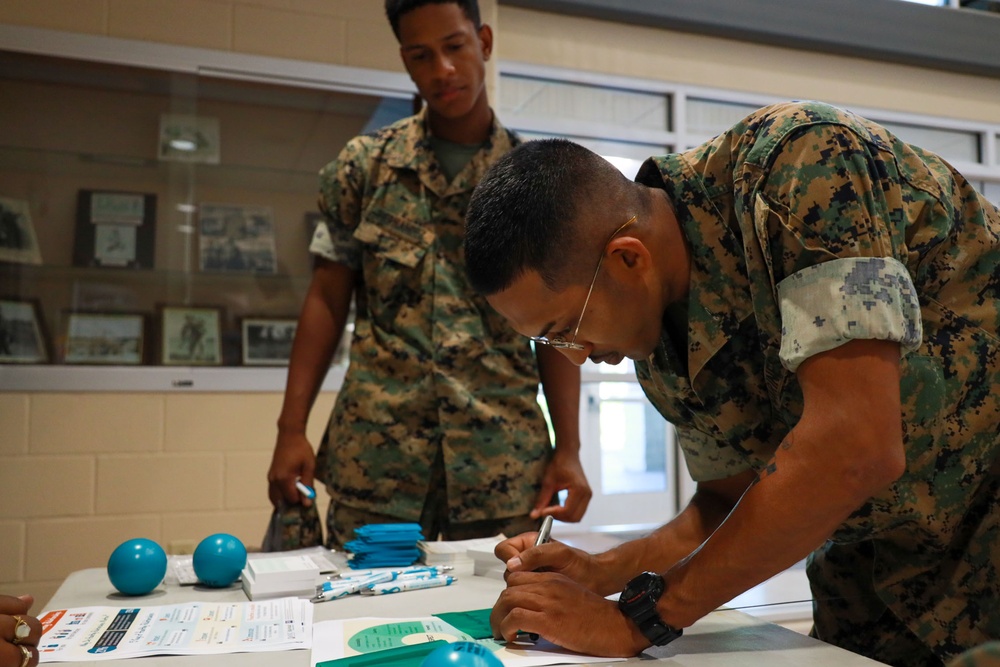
(455, 552)
(281, 576)
(486, 564)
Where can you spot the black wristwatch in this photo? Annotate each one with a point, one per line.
(638, 602)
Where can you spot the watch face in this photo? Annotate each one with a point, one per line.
(647, 584)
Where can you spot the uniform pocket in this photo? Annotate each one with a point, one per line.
(392, 260)
(395, 239)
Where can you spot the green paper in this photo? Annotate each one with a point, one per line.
(475, 623)
(403, 656)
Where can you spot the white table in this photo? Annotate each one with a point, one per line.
(723, 638)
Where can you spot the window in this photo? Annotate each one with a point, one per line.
(956, 145)
(708, 118)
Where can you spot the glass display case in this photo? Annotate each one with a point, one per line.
(154, 217)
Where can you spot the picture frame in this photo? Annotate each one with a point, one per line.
(189, 138)
(267, 341)
(236, 239)
(115, 229)
(190, 335)
(18, 242)
(105, 338)
(22, 332)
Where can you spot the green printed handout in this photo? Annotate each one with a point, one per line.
(402, 633)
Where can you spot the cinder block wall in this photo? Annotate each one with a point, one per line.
(81, 473)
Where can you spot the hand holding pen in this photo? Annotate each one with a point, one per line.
(543, 536)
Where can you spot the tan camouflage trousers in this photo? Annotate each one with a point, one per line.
(341, 520)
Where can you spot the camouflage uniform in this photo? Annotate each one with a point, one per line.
(434, 370)
(808, 227)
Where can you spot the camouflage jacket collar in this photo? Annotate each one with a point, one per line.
(719, 296)
(411, 149)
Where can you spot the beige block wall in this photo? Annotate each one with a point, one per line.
(82, 472)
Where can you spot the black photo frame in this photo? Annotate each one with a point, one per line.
(115, 229)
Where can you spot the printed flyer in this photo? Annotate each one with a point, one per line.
(197, 628)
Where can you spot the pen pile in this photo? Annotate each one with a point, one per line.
(380, 583)
(384, 545)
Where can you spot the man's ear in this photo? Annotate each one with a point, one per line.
(628, 255)
(486, 41)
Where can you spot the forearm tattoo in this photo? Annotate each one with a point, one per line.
(772, 465)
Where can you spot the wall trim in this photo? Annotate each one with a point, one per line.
(955, 40)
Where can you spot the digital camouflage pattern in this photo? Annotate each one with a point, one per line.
(432, 365)
(810, 226)
(293, 527)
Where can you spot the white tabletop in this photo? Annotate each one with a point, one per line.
(723, 638)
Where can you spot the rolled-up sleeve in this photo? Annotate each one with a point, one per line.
(340, 186)
(337, 244)
(825, 305)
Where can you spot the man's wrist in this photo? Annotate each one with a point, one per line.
(291, 427)
(564, 446)
(638, 602)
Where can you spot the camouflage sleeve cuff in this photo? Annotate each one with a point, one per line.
(825, 305)
(336, 244)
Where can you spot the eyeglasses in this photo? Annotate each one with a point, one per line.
(559, 342)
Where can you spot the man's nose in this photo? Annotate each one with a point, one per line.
(578, 357)
(443, 65)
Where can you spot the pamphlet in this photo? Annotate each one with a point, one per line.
(195, 628)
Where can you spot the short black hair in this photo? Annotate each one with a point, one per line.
(522, 214)
(394, 10)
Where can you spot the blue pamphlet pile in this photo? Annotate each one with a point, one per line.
(385, 545)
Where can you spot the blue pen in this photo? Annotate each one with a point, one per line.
(355, 584)
(307, 491)
(408, 585)
(328, 594)
(339, 588)
(416, 569)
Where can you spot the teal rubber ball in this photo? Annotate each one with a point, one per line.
(137, 566)
(462, 654)
(219, 559)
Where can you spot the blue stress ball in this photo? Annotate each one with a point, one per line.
(219, 559)
(462, 654)
(137, 566)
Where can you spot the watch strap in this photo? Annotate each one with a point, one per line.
(658, 632)
(640, 607)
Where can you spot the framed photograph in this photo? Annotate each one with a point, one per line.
(116, 229)
(235, 238)
(189, 138)
(22, 336)
(17, 235)
(267, 341)
(104, 338)
(191, 335)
